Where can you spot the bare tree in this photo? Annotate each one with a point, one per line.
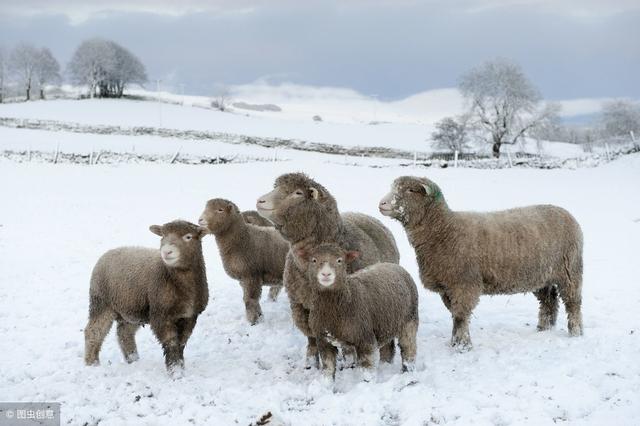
(22, 64)
(452, 134)
(221, 98)
(47, 70)
(620, 117)
(105, 67)
(503, 102)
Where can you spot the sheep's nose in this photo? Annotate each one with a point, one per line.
(383, 203)
(260, 201)
(201, 222)
(326, 274)
(168, 252)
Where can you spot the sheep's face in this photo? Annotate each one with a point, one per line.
(180, 243)
(218, 215)
(293, 195)
(409, 198)
(327, 265)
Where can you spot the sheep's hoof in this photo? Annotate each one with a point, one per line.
(132, 357)
(311, 361)
(176, 371)
(576, 331)
(408, 366)
(93, 363)
(254, 317)
(461, 345)
(368, 375)
(348, 360)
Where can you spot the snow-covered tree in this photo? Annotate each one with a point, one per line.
(47, 69)
(105, 67)
(23, 61)
(452, 134)
(621, 117)
(503, 102)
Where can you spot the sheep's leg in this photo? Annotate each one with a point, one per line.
(126, 338)
(548, 312)
(301, 319)
(274, 291)
(94, 333)
(366, 361)
(167, 334)
(252, 289)
(408, 346)
(185, 328)
(388, 351)
(462, 305)
(349, 357)
(570, 292)
(328, 354)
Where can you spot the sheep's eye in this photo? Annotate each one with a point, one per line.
(412, 190)
(314, 260)
(339, 260)
(298, 192)
(187, 237)
(220, 210)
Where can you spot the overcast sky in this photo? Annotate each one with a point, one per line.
(568, 48)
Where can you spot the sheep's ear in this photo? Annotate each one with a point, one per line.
(350, 256)
(428, 190)
(315, 194)
(302, 254)
(156, 229)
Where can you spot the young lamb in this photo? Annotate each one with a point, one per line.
(254, 255)
(254, 218)
(165, 288)
(371, 306)
(462, 255)
(306, 215)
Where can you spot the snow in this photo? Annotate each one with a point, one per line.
(56, 220)
(404, 132)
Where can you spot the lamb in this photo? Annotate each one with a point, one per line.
(307, 215)
(254, 218)
(462, 255)
(165, 288)
(371, 306)
(254, 255)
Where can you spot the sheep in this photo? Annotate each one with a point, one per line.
(254, 218)
(254, 255)
(462, 255)
(165, 288)
(371, 306)
(306, 215)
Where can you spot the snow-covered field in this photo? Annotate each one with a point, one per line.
(56, 220)
(410, 136)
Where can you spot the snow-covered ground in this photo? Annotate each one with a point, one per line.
(400, 134)
(56, 220)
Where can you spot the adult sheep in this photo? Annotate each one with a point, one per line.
(462, 255)
(307, 215)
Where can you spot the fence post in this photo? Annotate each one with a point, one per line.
(633, 138)
(455, 159)
(606, 150)
(55, 157)
(415, 158)
(175, 156)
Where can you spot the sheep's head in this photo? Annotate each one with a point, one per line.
(180, 244)
(327, 265)
(253, 217)
(409, 199)
(218, 215)
(297, 204)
